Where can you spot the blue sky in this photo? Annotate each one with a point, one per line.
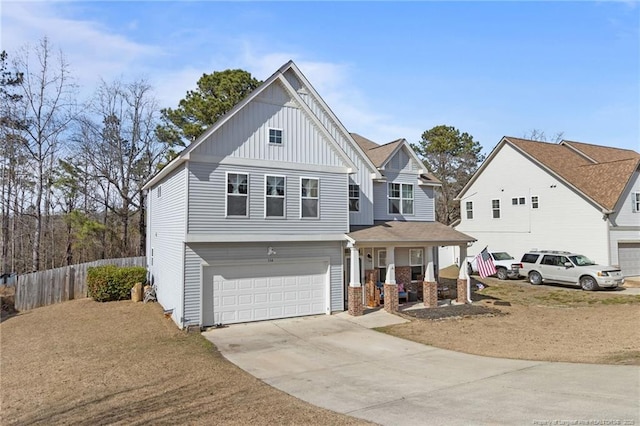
(387, 69)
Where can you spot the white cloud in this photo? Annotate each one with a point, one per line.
(92, 51)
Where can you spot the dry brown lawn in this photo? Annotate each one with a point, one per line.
(546, 323)
(83, 362)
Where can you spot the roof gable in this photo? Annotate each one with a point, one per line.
(276, 78)
(599, 173)
(381, 155)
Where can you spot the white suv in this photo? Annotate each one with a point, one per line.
(569, 268)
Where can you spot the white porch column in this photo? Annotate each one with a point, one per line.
(391, 266)
(463, 253)
(354, 279)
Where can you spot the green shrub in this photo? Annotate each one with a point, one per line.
(110, 282)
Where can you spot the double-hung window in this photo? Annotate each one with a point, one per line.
(309, 198)
(534, 202)
(400, 198)
(636, 202)
(354, 197)
(495, 207)
(274, 196)
(237, 194)
(416, 262)
(469, 206)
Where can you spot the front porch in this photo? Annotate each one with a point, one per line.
(395, 261)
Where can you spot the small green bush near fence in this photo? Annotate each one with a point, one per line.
(109, 282)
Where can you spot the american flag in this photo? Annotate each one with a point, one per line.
(485, 264)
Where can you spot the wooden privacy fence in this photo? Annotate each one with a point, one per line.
(60, 284)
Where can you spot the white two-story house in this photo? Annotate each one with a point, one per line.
(567, 196)
(276, 211)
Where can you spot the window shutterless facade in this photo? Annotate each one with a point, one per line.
(237, 194)
(469, 208)
(309, 198)
(495, 208)
(382, 265)
(275, 136)
(275, 196)
(534, 202)
(400, 198)
(416, 262)
(636, 202)
(354, 197)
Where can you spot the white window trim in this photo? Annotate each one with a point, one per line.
(269, 136)
(284, 197)
(401, 199)
(353, 198)
(469, 210)
(301, 198)
(226, 194)
(380, 265)
(494, 209)
(635, 206)
(421, 264)
(536, 204)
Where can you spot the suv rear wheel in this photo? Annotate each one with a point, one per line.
(535, 278)
(588, 283)
(502, 274)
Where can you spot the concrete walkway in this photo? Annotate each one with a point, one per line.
(339, 363)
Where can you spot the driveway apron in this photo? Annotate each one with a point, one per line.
(339, 364)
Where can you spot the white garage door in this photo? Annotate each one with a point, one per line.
(629, 258)
(244, 293)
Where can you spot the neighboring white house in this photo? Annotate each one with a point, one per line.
(275, 209)
(568, 196)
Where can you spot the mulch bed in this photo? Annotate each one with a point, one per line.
(452, 311)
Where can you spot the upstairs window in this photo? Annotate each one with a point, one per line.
(159, 192)
(495, 207)
(309, 199)
(416, 263)
(400, 198)
(275, 136)
(636, 202)
(237, 194)
(534, 202)
(518, 201)
(469, 207)
(274, 196)
(354, 197)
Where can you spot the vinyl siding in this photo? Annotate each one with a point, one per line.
(423, 199)
(166, 231)
(207, 184)
(625, 223)
(246, 134)
(624, 215)
(563, 221)
(363, 176)
(197, 253)
(402, 162)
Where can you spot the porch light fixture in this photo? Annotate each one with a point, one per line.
(271, 251)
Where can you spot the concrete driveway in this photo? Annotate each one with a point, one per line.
(339, 363)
